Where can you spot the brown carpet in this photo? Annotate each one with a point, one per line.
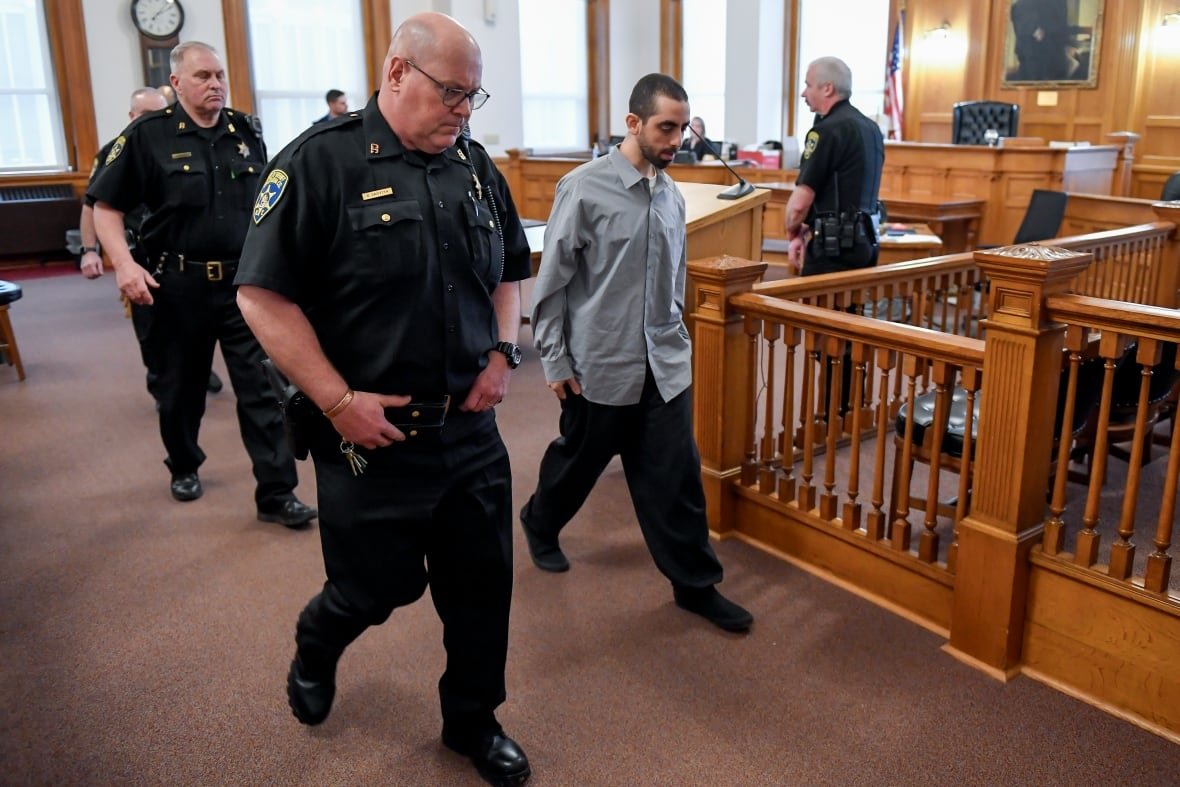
(144, 641)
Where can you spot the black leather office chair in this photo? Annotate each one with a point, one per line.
(970, 119)
(1171, 188)
(1042, 217)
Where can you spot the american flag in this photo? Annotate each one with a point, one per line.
(894, 98)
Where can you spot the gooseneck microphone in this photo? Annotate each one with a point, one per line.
(742, 187)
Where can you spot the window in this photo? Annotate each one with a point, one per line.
(704, 62)
(862, 46)
(300, 49)
(554, 84)
(31, 137)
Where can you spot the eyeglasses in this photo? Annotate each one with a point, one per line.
(453, 96)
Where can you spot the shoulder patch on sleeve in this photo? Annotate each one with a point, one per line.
(270, 193)
(810, 143)
(116, 149)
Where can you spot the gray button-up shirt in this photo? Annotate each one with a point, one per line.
(609, 297)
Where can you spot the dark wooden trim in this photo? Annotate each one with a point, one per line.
(377, 29)
(672, 38)
(598, 69)
(237, 54)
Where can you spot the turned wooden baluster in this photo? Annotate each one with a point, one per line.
(900, 530)
(877, 519)
(1111, 348)
(749, 475)
(943, 377)
(1053, 539)
(786, 482)
(971, 378)
(766, 477)
(805, 492)
(1159, 563)
(859, 360)
(1122, 552)
(829, 499)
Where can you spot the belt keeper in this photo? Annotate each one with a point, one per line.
(338, 408)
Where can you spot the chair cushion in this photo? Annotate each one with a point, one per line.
(952, 441)
(9, 292)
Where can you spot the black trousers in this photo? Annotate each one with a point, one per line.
(663, 471)
(141, 321)
(190, 315)
(440, 517)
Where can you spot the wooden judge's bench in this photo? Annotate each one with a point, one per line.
(1004, 178)
(940, 185)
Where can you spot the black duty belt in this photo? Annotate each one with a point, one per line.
(210, 270)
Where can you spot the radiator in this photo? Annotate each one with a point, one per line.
(34, 220)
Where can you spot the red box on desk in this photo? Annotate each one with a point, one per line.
(767, 159)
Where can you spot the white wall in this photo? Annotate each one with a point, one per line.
(634, 53)
(115, 61)
(498, 124)
(753, 71)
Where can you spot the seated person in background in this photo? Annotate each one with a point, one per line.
(699, 145)
(337, 105)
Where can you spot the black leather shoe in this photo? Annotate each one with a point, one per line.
(545, 552)
(498, 758)
(186, 487)
(291, 514)
(310, 700)
(713, 607)
(214, 385)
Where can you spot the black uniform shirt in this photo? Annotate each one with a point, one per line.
(846, 143)
(132, 218)
(391, 254)
(197, 184)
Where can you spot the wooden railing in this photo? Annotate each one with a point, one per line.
(971, 525)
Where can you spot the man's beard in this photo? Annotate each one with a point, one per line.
(653, 157)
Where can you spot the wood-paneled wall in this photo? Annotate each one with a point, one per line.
(1137, 88)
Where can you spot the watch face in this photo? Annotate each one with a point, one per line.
(157, 18)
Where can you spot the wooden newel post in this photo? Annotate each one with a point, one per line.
(722, 355)
(1168, 295)
(1021, 371)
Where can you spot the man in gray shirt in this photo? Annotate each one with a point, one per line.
(608, 322)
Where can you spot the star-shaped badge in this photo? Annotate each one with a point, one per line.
(243, 150)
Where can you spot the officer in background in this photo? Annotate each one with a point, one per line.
(145, 99)
(337, 105)
(831, 215)
(195, 167)
(382, 274)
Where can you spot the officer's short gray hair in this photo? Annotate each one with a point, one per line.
(833, 71)
(178, 51)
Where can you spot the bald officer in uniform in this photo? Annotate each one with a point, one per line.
(382, 274)
(830, 215)
(195, 168)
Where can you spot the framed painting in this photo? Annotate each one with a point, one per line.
(1052, 43)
